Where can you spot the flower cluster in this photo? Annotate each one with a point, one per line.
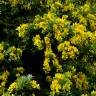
(38, 42)
(23, 3)
(14, 2)
(34, 84)
(60, 29)
(61, 83)
(45, 23)
(80, 81)
(22, 30)
(20, 71)
(3, 79)
(14, 53)
(93, 93)
(67, 50)
(1, 51)
(50, 57)
(12, 87)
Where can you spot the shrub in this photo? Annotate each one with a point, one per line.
(48, 48)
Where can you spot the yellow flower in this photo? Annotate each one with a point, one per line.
(12, 56)
(5, 75)
(1, 47)
(92, 24)
(63, 46)
(66, 43)
(55, 86)
(91, 16)
(58, 35)
(49, 15)
(41, 24)
(19, 52)
(79, 28)
(12, 87)
(34, 84)
(49, 78)
(20, 69)
(46, 65)
(58, 4)
(13, 95)
(28, 6)
(85, 8)
(71, 6)
(93, 93)
(38, 42)
(3, 83)
(84, 95)
(47, 40)
(14, 53)
(18, 75)
(94, 63)
(64, 55)
(82, 20)
(56, 64)
(12, 49)
(14, 2)
(58, 76)
(22, 30)
(1, 56)
(33, 94)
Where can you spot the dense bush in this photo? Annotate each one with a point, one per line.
(48, 48)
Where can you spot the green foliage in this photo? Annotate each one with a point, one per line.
(22, 86)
